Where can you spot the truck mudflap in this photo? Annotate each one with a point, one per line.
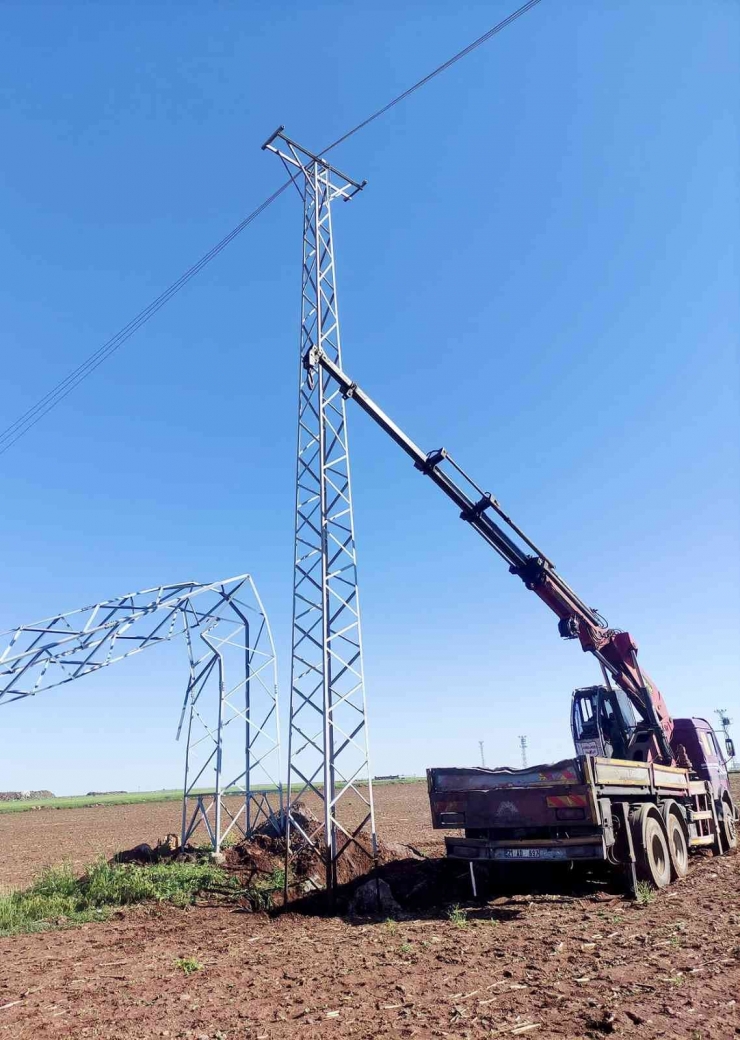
(482, 849)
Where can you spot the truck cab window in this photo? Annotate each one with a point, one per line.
(585, 717)
(707, 744)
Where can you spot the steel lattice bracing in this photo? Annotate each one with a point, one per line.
(328, 745)
(232, 765)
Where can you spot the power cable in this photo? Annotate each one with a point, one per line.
(29, 418)
(440, 68)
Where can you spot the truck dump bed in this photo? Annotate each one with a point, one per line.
(558, 811)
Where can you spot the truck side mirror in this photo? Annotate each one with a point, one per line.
(729, 747)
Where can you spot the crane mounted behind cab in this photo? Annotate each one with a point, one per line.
(644, 788)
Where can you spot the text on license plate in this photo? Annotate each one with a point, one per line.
(529, 854)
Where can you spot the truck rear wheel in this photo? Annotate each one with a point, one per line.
(678, 846)
(727, 825)
(651, 848)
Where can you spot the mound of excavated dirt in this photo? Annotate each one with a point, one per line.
(260, 862)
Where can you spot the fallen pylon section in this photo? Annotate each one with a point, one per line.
(233, 772)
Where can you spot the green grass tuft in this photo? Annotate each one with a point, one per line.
(458, 916)
(264, 889)
(59, 898)
(645, 893)
(188, 965)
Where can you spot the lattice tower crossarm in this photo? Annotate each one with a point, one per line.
(328, 750)
(233, 772)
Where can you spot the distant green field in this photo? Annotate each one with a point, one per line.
(84, 801)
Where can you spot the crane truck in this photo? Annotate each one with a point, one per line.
(644, 789)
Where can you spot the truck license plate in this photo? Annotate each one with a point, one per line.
(529, 854)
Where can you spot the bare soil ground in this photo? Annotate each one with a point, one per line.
(571, 963)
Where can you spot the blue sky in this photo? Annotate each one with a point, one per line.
(541, 275)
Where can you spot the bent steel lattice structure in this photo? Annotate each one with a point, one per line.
(328, 746)
(230, 712)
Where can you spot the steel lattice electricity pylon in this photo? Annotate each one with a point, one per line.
(328, 741)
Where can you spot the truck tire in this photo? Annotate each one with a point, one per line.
(726, 818)
(678, 846)
(651, 847)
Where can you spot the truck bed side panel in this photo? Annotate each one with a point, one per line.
(645, 776)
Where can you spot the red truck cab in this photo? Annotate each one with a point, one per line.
(704, 752)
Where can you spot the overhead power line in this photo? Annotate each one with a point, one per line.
(29, 418)
(33, 415)
(435, 72)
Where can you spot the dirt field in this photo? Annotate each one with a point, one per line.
(560, 965)
(31, 840)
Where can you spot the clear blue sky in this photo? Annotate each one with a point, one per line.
(541, 276)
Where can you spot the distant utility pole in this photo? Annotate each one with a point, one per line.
(482, 756)
(725, 722)
(523, 746)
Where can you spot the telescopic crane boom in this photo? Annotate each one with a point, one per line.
(616, 651)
